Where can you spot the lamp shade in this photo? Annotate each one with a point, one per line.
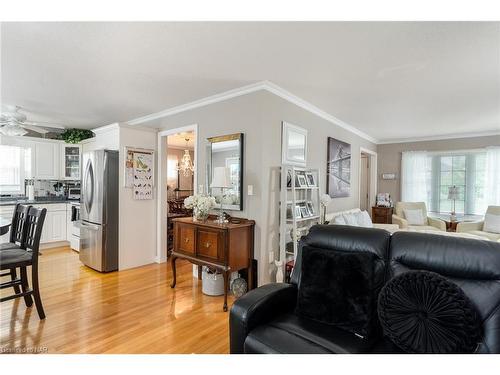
(220, 178)
(453, 192)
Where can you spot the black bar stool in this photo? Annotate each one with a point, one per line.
(17, 226)
(24, 256)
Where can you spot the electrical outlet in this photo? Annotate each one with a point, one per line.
(271, 257)
(250, 190)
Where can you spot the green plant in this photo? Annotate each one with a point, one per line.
(76, 135)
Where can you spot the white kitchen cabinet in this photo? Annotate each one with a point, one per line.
(46, 160)
(71, 160)
(55, 225)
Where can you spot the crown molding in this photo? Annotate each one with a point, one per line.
(248, 89)
(223, 96)
(118, 125)
(441, 137)
(284, 94)
(288, 96)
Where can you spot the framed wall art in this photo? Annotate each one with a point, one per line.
(338, 181)
(139, 172)
(293, 145)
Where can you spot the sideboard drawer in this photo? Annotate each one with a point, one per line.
(186, 238)
(208, 244)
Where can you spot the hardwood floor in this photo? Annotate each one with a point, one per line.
(131, 311)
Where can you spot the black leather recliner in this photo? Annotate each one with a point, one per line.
(263, 320)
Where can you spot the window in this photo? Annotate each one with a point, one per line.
(15, 166)
(12, 169)
(466, 171)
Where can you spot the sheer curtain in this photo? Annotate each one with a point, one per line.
(414, 176)
(492, 178)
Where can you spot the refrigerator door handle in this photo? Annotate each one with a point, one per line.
(88, 195)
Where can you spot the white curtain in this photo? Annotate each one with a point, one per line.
(414, 176)
(492, 180)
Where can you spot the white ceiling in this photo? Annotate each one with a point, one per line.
(179, 140)
(391, 80)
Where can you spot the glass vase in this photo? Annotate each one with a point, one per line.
(199, 215)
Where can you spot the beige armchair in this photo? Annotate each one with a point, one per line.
(430, 223)
(476, 227)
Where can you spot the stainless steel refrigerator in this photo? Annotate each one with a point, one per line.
(99, 211)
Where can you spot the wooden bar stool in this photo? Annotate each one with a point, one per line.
(24, 256)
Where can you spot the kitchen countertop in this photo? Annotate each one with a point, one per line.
(37, 201)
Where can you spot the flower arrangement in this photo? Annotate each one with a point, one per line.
(201, 205)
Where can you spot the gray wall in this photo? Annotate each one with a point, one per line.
(259, 116)
(389, 157)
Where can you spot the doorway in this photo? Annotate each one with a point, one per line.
(177, 179)
(367, 179)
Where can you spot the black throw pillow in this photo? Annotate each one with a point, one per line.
(337, 288)
(422, 312)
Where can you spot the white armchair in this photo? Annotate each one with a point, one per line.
(477, 227)
(429, 223)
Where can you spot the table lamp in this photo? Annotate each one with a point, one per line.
(453, 195)
(220, 180)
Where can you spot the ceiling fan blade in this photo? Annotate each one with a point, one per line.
(44, 124)
(34, 128)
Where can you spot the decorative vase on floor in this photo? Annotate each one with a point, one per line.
(279, 271)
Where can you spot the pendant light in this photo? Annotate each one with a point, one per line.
(186, 166)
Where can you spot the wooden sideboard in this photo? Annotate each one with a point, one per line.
(224, 247)
(382, 215)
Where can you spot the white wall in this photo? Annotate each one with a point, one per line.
(137, 217)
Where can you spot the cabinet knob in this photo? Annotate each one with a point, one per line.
(186, 240)
(207, 244)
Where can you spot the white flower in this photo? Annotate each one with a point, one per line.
(201, 203)
(190, 201)
(325, 200)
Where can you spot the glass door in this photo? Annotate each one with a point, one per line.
(71, 162)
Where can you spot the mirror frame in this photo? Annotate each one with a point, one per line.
(209, 167)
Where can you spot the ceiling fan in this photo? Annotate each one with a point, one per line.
(15, 123)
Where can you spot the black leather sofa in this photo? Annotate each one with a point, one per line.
(263, 320)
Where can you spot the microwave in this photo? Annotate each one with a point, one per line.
(74, 193)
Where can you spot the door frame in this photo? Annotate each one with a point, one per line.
(161, 189)
(372, 188)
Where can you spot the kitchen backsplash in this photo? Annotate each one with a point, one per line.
(50, 188)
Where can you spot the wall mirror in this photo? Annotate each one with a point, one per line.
(227, 151)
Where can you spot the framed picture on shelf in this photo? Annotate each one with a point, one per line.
(289, 178)
(304, 212)
(298, 213)
(302, 180)
(289, 212)
(310, 208)
(311, 181)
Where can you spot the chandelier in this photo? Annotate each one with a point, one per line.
(186, 166)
